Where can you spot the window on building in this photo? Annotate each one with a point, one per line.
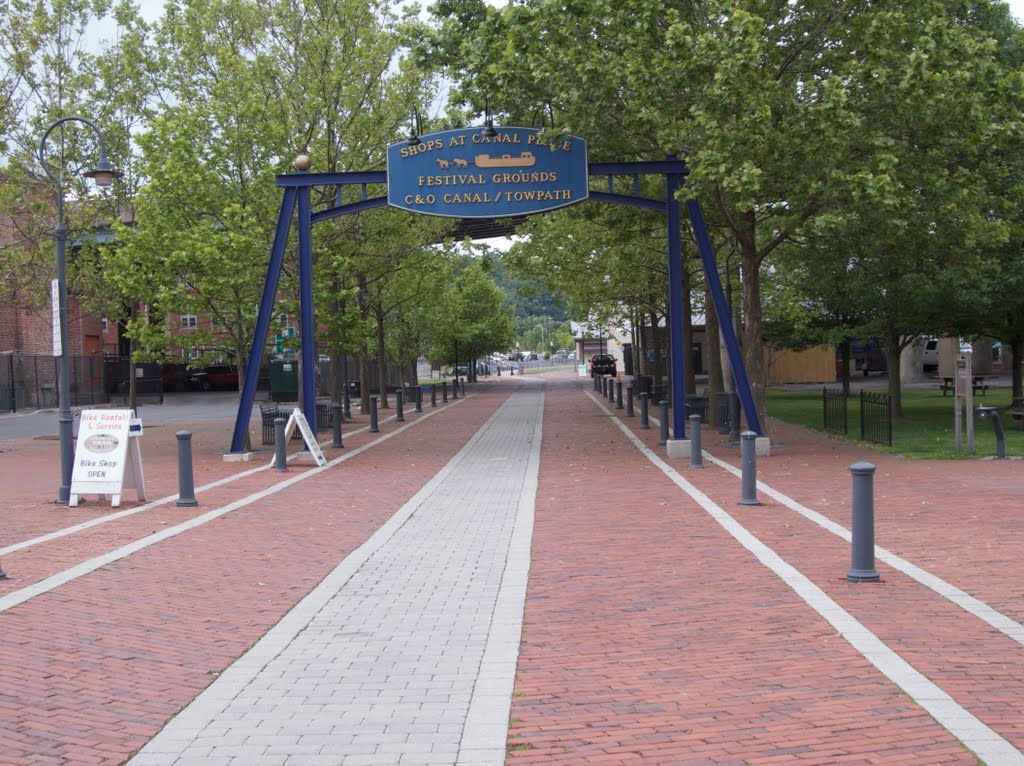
(188, 320)
(103, 324)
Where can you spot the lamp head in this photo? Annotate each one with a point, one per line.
(104, 173)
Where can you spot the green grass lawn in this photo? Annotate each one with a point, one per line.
(926, 429)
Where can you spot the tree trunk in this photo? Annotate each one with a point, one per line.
(364, 379)
(382, 364)
(893, 361)
(753, 324)
(846, 350)
(1016, 348)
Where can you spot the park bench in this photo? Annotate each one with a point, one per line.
(978, 384)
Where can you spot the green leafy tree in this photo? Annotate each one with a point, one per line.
(793, 117)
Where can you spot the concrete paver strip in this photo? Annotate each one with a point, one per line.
(408, 648)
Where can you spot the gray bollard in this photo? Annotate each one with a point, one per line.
(336, 416)
(696, 458)
(444, 392)
(618, 394)
(596, 382)
(186, 489)
(663, 439)
(644, 421)
(611, 389)
(419, 399)
(433, 395)
(373, 414)
(280, 447)
(455, 388)
(399, 401)
(462, 386)
(748, 466)
(629, 400)
(862, 567)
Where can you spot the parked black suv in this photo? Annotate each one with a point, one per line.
(602, 364)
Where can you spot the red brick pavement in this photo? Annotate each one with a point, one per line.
(651, 636)
(92, 670)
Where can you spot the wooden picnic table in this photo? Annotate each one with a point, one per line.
(977, 384)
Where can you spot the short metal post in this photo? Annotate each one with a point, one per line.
(696, 456)
(644, 421)
(419, 399)
(186, 489)
(373, 414)
(862, 568)
(336, 422)
(455, 388)
(462, 386)
(433, 395)
(280, 448)
(748, 468)
(629, 400)
(596, 382)
(618, 394)
(444, 392)
(611, 389)
(399, 401)
(664, 421)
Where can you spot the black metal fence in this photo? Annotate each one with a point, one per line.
(30, 382)
(876, 418)
(875, 415)
(834, 405)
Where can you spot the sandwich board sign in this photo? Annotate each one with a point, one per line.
(297, 418)
(107, 456)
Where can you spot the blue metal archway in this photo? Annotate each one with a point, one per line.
(296, 198)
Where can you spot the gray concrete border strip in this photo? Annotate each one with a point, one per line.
(968, 729)
(485, 735)
(488, 714)
(970, 604)
(964, 600)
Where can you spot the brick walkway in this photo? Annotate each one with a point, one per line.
(654, 629)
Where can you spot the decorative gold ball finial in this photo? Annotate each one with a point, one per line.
(302, 162)
(671, 153)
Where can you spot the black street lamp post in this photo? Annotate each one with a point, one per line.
(103, 175)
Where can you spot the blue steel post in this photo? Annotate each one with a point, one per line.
(677, 359)
(707, 257)
(306, 332)
(259, 338)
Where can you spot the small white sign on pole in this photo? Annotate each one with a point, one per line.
(107, 456)
(298, 419)
(55, 302)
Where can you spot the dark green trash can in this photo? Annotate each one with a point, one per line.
(284, 380)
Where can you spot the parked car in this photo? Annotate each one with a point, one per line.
(215, 376)
(930, 354)
(602, 364)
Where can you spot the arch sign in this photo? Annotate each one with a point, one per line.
(467, 174)
(497, 172)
